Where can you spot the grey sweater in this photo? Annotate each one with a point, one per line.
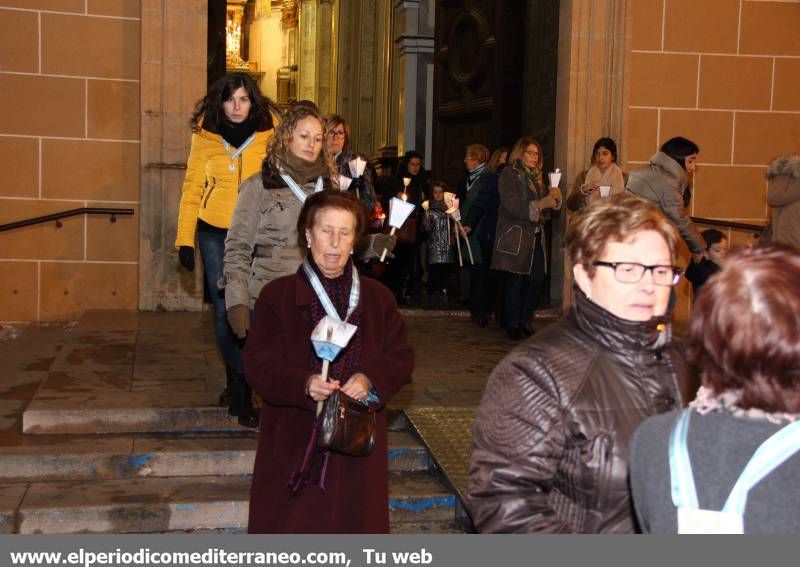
(720, 445)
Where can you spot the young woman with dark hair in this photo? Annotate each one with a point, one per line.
(231, 126)
(745, 336)
(604, 172)
(664, 182)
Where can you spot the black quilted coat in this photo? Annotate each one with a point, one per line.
(550, 441)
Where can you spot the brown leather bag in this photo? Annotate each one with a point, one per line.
(346, 426)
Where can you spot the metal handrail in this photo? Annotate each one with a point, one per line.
(730, 224)
(70, 213)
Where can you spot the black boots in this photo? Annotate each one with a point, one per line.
(241, 401)
(226, 397)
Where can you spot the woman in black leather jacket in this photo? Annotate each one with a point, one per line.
(550, 441)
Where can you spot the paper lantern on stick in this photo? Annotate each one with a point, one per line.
(357, 166)
(399, 211)
(344, 182)
(329, 338)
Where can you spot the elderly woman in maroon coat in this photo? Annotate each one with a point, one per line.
(348, 494)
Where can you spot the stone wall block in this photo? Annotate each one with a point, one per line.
(121, 8)
(19, 160)
(77, 6)
(730, 192)
(113, 110)
(663, 80)
(42, 106)
(19, 41)
(705, 26)
(762, 136)
(712, 131)
(90, 47)
(647, 29)
(786, 95)
(642, 134)
(91, 170)
(743, 83)
(70, 288)
(19, 291)
(770, 28)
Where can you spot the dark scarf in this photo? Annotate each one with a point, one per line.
(301, 170)
(236, 134)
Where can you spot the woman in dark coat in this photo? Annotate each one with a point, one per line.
(526, 204)
(350, 494)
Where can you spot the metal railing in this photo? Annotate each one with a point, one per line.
(730, 224)
(114, 213)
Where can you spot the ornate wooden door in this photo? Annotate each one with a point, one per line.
(478, 79)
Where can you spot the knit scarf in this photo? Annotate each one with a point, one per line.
(534, 175)
(439, 206)
(612, 176)
(301, 170)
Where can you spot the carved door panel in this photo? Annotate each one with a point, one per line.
(478, 79)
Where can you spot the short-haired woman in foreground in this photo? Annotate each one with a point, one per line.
(550, 442)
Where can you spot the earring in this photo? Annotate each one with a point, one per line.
(351, 252)
(308, 244)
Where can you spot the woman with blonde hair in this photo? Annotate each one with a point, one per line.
(526, 205)
(262, 243)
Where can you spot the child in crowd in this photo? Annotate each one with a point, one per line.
(440, 242)
(705, 265)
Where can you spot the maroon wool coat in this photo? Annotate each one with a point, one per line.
(277, 364)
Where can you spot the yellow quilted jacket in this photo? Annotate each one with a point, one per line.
(210, 189)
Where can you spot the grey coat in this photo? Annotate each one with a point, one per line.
(262, 241)
(720, 445)
(662, 181)
(783, 195)
(517, 221)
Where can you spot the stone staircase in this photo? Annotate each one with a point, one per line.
(110, 426)
(197, 480)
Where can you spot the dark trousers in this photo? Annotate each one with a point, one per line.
(483, 285)
(212, 251)
(438, 277)
(522, 291)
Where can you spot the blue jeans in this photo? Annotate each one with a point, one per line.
(522, 291)
(212, 251)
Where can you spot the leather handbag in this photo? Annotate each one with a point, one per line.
(346, 426)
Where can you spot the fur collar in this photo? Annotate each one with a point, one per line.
(788, 165)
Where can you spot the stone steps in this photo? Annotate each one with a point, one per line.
(145, 457)
(155, 505)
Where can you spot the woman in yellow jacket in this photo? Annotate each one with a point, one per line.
(230, 129)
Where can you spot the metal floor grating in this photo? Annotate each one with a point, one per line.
(447, 432)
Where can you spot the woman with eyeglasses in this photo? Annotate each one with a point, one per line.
(526, 206)
(550, 441)
(337, 144)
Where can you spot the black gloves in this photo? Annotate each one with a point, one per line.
(186, 257)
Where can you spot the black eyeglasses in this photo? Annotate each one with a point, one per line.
(632, 272)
